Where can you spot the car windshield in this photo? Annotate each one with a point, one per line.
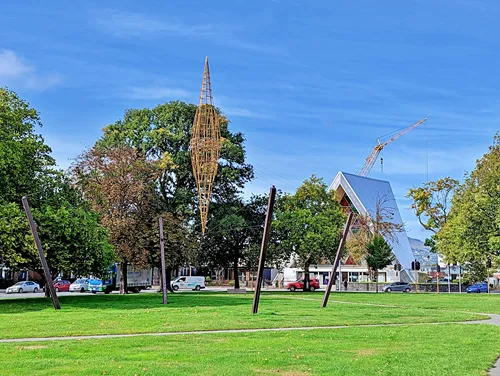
(80, 281)
(18, 283)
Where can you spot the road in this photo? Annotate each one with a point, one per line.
(3, 295)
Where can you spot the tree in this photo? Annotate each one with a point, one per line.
(432, 204)
(379, 256)
(308, 224)
(120, 185)
(471, 234)
(235, 231)
(24, 157)
(70, 233)
(378, 222)
(163, 133)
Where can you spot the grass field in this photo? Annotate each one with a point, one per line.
(143, 313)
(426, 349)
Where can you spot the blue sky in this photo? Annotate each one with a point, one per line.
(311, 84)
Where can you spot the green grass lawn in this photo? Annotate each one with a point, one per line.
(450, 349)
(483, 303)
(143, 313)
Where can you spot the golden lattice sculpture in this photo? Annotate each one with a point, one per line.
(205, 145)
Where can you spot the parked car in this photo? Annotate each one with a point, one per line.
(61, 285)
(477, 287)
(24, 286)
(397, 286)
(190, 283)
(81, 284)
(299, 285)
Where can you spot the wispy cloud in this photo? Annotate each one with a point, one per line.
(155, 92)
(131, 24)
(14, 70)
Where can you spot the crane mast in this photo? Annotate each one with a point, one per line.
(372, 158)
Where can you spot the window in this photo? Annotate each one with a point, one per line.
(183, 279)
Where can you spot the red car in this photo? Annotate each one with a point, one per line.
(62, 285)
(299, 285)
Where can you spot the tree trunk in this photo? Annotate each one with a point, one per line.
(123, 277)
(168, 275)
(306, 277)
(376, 282)
(236, 277)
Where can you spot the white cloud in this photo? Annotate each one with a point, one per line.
(14, 70)
(244, 112)
(130, 24)
(155, 92)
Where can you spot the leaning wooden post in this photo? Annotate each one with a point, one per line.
(48, 275)
(337, 259)
(163, 270)
(263, 249)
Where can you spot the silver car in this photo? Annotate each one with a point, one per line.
(81, 284)
(24, 286)
(397, 286)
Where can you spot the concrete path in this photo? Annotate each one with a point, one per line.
(201, 332)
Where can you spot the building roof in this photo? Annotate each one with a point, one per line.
(364, 193)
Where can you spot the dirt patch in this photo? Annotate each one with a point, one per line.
(364, 352)
(34, 347)
(282, 372)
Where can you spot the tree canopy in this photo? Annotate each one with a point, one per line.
(71, 235)
(471, 234)
(163, 133)
(308, 224)
(379, 255)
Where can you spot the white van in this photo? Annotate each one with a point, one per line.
(186, 282)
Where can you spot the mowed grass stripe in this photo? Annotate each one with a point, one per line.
(143, 313)
(451, 349)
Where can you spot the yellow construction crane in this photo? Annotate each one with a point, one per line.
(370, 161)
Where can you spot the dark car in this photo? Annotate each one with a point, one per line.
(397, 286)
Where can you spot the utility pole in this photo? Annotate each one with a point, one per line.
(163, 270)
(46, 270)
(337, 259)
(460, 278)
(449, 275)
(263, 249)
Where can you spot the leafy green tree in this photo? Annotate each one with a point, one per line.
(309, 224)
(379, 255)
(70, 233)
(432, 205)
(24, 157)
(471, 235)
(163, 133)
(235, 230)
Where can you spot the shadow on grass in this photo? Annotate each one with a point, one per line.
(130, 301)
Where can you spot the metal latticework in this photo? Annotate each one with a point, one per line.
(205, 145)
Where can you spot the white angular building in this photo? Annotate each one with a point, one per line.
(361, 194)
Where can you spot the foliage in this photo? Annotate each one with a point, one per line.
(235, 232)
(308, 224)
(120, 184)
(163, 134)
(24, 157)
(70, 233)
(366, 226)
(472, 233)
(73, 241)
(379, 255)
